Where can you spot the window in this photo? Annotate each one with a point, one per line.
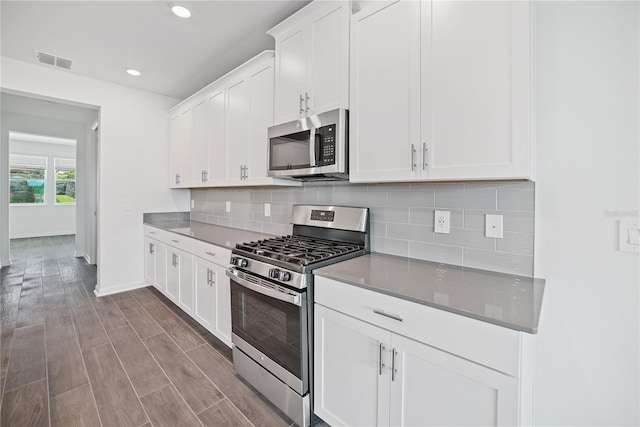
(65, 180)
(27, 179)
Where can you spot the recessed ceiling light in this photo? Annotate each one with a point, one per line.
(133, 72)
(181, 11)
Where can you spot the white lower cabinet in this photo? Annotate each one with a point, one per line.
(212, 308)
(367, 374)
(198, 286)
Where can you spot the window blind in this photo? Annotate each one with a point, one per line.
(65, 164)
(19, 161)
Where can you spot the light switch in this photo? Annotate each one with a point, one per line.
(629, 235)
(267, 209)
(193, 203)
(227, 206)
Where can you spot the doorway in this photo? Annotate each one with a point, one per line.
(73, 175)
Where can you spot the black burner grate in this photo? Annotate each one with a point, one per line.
(298, 250)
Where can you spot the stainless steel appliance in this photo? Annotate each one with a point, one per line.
(310, 149)
(272, 301)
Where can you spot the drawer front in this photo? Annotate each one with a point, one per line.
(484, 343)
(212, 253)
(172, 239)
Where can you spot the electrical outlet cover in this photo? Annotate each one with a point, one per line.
(227, 206)
(493, 226)
(442, 222)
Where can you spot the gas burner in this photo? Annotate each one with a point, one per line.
(298, 250)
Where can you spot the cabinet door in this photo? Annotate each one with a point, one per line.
(185, 283)
(175, 131)
(385, 92)
(433, 388)
(260, 118)
(475, 74)
(291, 69)
(217, 149)
(200, 140)
(203, 306)
(222, 304)
(161, 267)
(350, 386)
(236, 121)
(149, 261)
(328, 70)
(173, 275)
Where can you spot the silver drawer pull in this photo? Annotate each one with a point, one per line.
(210, 253)
(152, 232)
(390, 316)
(175, 241)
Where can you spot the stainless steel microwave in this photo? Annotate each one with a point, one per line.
(310, 149)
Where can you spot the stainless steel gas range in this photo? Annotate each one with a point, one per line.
(272, 301)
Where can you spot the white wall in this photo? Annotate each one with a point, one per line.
(587, 169)
(48, 219)
(133, 160)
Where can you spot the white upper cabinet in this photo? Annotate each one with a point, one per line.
(219, 135)
(440, 91)
(312, 60)
(385, 92)
(180, 146)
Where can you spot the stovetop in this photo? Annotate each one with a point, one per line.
(298, 250)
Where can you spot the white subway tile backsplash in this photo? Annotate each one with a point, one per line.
(417, 198)
(515, 200)
(466, 238)
(462, 199)
(515, 243)
(401, 217)
(418, 233)
(498, 261)
(437, 253)
(390, 246)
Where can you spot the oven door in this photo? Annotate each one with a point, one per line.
(269, 324)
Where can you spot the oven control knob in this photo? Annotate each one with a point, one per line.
(239, 262)
(284, 276)
(274, 273)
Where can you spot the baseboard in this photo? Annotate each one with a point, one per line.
(117, 289)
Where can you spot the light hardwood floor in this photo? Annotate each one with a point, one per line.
(132, 359)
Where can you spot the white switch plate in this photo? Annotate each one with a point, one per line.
(193, 203)
(442, 221)
(227, 206)
(629, 235)
(267, 209)
(493, 226)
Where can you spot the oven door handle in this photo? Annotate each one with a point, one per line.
(291, 299)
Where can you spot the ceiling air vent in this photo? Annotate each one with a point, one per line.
(56, 61)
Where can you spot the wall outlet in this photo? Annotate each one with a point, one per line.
(442, 221)
(493, 226)
(227, 206)
(267, 209)
(193, 203)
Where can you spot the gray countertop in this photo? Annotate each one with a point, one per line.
(502, 299)
(218, 235)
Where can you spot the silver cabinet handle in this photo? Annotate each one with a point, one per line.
(173, 259)
(208, 277)
(151, 250)
(175, 241)
(413, 157)
(394, 353)
(425, 162)
(381, 356)
(206, 176)
(306, 101)
(152, 232)
(210, 253)
(177, 178)
(301, 101)
(213, 278)
(390, 316)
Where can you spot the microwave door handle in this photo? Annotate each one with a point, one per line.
(312, 148)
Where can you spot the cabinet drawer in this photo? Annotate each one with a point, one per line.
(172, 239)
(483, 343)
(212, 253)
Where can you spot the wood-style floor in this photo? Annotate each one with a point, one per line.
(132, 359)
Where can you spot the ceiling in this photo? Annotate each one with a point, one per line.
(176, 56)
(47, 108)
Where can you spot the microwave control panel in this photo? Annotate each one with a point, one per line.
(326, 152)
